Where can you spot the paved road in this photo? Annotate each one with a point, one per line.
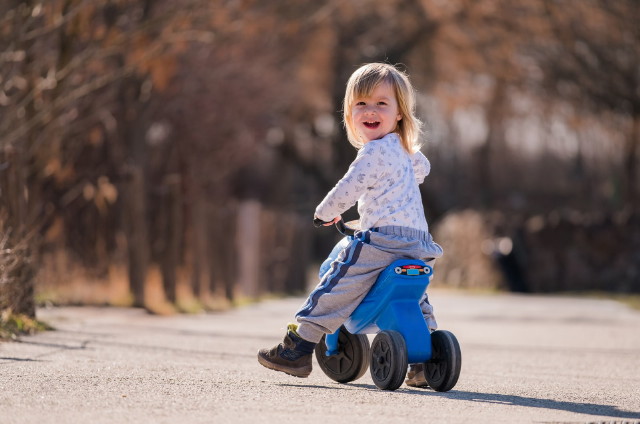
(526, 359)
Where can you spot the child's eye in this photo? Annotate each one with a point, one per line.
(382, 103)
(360, 103)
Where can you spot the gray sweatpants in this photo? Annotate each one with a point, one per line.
(353, 272)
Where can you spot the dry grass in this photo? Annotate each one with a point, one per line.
(76, 287)
(12, 325)
(631, 300)
(65, 284)
(79, 288)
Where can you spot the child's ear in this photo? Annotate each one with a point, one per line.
(399, 117)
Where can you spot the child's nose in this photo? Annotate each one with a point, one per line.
(370, 109)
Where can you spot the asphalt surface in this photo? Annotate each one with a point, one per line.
(526, 359)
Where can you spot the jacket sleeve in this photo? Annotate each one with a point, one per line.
(361, 176)
(421, 166)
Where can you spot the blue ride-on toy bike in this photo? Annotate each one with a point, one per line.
(391, 311)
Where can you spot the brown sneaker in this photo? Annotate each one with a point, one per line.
(292, 356)
(415, 376)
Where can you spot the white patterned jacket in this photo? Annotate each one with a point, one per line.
(383, 179)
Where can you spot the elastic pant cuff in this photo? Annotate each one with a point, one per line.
(309, 332)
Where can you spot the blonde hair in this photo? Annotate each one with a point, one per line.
(362, 83)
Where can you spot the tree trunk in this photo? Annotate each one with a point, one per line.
(222, 262)
(16, 267)
(631, 165)
(199, 247)
(172, 237)
(300, 253)
(137, 238)
(230, 252)
(485, 158)
(248, 245)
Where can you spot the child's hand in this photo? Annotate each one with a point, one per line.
(333, 221)
(336, 219)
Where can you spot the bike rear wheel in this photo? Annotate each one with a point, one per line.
(351, 361)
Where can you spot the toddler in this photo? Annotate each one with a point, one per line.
(379, 116)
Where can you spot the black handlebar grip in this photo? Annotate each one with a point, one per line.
(340, 226)
(318, 222)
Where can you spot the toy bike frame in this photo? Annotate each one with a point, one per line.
(391, 311)
(391, 305)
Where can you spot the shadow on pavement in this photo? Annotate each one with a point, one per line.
(100, 342)
(4, 358)
(578, 408)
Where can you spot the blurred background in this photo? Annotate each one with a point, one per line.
(169, 154)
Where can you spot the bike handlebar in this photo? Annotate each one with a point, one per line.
(340, 226)
(318, 222)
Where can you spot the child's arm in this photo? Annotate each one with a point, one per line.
(421, 166)
(361, 176)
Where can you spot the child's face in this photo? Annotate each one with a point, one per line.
(377, 115)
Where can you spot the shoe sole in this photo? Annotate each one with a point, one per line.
(418, 380)
(295, 372)
(420, 385)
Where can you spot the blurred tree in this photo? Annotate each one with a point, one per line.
(593, 61)
(183, 134)
(20, 89)
(77, 81)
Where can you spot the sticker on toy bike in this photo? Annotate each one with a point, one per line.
(412, 270)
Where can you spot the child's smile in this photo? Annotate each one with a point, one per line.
(376, 115)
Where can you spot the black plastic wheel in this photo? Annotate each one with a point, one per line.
(443, 369)
(388, 360)
(351, 361)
